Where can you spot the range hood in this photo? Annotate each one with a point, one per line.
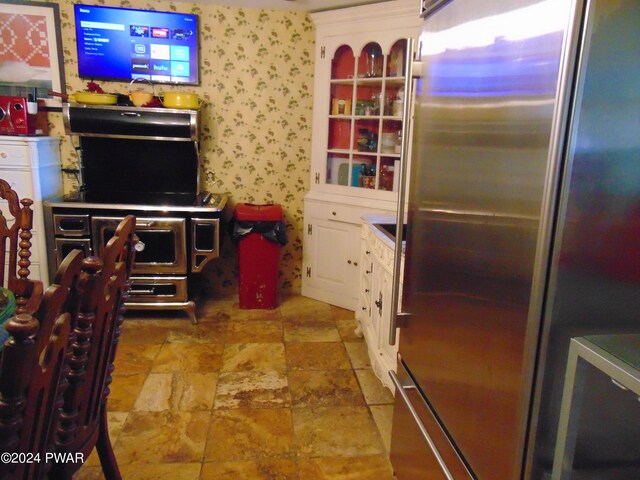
(131, 122)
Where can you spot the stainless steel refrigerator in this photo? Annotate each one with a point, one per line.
(523, 231)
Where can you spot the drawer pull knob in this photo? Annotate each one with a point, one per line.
(3, 155)
(333, 213)
(349, 262)
(140, 246)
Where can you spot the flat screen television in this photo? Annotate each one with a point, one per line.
(123, 44)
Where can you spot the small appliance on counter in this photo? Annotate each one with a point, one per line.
(18, 116)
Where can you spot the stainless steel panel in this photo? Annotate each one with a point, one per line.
(595, 276)
(164, 238)
(71, 225)
(483, 122)
(152, 290)
(205, 242)
(64, 246)
(423, 449)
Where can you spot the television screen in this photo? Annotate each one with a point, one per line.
(123, 44)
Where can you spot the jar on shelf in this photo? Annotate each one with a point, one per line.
(373, 142)
(374, 61)
(363, 140)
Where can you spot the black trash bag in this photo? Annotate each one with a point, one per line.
(273, 231)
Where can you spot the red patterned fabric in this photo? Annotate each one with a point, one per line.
(23, 38)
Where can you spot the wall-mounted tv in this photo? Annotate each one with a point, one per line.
(123, 44)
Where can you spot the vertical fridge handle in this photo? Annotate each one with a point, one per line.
(404, 160)
(400, 388)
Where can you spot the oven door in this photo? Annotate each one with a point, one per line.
(164, 240)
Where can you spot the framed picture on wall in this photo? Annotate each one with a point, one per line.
(31, 61)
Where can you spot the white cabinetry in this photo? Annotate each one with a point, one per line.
(355, 156)
(31, 165)
(374, 301)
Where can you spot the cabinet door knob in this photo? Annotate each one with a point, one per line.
(355, 264)
(3, 155)
(367, 252)
(349, 262)
(333, 213)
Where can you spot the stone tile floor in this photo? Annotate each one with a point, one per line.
(247, 394)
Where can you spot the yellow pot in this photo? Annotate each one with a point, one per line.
(182, 100)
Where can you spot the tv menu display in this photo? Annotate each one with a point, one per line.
(123, 44)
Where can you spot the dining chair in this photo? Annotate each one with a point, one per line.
(33, 376)
(15, 253)
(82, 424)
(55, 369)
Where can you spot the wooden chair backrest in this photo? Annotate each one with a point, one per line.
(97, 331)
(56, 367)
(15, 250)
(33, 372)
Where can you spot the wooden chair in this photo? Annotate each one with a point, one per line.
(83, 421)
(33, 371)
(75, 383)
(15, 240)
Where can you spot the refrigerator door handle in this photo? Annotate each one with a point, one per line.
(401, 389)
(404, 157)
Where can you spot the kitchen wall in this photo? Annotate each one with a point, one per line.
(256, 78)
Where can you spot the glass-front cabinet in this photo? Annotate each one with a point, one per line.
(364, 138)
(363, 117)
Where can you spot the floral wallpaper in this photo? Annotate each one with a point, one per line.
(257, 81)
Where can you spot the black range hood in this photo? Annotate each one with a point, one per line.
(131, 122)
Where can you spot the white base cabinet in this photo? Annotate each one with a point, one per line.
(31, 165)
(374, 301)
(331, 251)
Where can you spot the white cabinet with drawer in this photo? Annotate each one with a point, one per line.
(331, 253)
(31, 165)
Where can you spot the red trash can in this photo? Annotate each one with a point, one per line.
(258, 228)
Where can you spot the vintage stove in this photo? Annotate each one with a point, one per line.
(145, 162)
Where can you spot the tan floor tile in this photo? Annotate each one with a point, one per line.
(177, 391)
(347, 330)
(338, 313)
(237, 314)
(161, 437)
(383, 416)
(296, 306)
(249, 434)
(317, 356)
(261, 357)
(375, 467)
(335, 431)
(375, 393)
(267, 470)
(115, 421)
(188, 357)
(172, 471)
(132, 359)
(311, 330)
(146, 331)
(311, 388)
(252, 389)
(257, 331)
(203, 332)
(124, 391)
(358, 354)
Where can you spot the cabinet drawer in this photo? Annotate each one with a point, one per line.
(335, 212)
(14, 155)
